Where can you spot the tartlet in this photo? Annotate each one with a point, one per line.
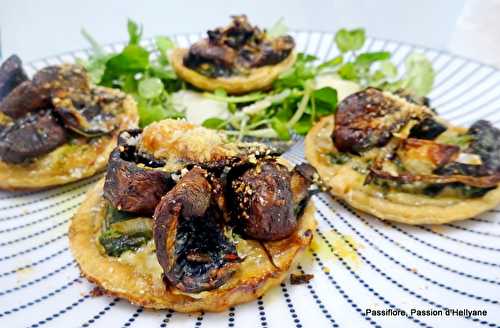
(417, 180)
(196, 194)
(239, 58)
(57, 128)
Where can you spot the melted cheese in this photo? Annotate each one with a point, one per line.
(143, 260)
(178, 141)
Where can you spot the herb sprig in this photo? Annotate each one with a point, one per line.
(150, 79)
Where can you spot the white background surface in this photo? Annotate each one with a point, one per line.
(35, 29)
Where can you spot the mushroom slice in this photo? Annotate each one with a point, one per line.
(52, 82)
(411, 160)
(303, 176)
(369, 118)
(31, 136)
(11, 75)
(90, 114)
(428, 129)
(133, 184)
(424, 156)
(84, 117)
(24, 99)
(406, 177)
(191, 244)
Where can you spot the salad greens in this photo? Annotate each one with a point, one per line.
(293, 104)
(150, 79)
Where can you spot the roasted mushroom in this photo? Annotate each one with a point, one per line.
(238, 58)
(237, 48)
(52, 82)
(33, 135)
(140, 172)
(439, 165)
(191, 244)
(132, 184)
(11, 75)
(34, 114)
(88, 114)
(484, 143)
(428, 129)
(66, 89)
(368, 119)
(268, 198)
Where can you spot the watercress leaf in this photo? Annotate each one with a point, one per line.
(163, 72)
(368, 58)
(295, 77)
(303, 125)
(150, 88)
(131, 60)
(327, 95)
(280, 128)
(95, 67)
(164, 46)
(284, 113)
(128, 83)
(323, 109)
(149, 113)
(134, 32)
(377, 78)
(389, 69)
(171, 113)
(348, 72)
(96, 64)
(309, 110)
(305, 58)
(278, 29)
(325, 101)
(214, 123)
(419, 75)
(350, 40)
(332, 63)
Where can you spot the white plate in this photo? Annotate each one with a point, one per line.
(392, 266)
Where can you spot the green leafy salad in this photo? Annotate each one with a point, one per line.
(300, 96)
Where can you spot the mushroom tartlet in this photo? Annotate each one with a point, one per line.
(56, 128)
(391, 156)
(238, 58)
(186, 220)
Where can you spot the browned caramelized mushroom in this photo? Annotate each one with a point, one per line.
(236, 48)
(300, 182)
(368, 119)
(48, 83)
(23, 99)
(436, 164)
(88, 113)
(132, 184)
(11, 75)
(191, 245)
(268, 199)
(31, 136)
(34, 113)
